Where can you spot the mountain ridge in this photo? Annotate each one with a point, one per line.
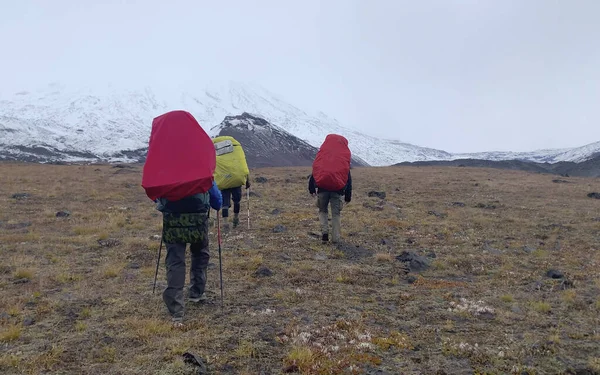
(111, 123)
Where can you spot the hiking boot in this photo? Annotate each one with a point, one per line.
(202, 298)
(236, 221)
(325, 237)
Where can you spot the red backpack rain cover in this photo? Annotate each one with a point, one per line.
(181, 158)
(332, 164)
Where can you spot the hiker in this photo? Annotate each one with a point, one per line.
(186, 221)
(231, 174)
(178, 176)
(330, 181)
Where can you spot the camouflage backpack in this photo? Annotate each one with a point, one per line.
(186, 220)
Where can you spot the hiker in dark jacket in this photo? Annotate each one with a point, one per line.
(325, 198)
(187, 220)
(235, 194)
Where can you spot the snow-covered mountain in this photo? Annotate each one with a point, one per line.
(576, 155)
(109, 123)
(80, 123)
(268, 145)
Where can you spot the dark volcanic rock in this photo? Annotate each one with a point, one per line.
(279, 229)
(441, 215)
(354, 251)
(263, 271)
(458, 204)
(555, 274)
(594, 195)
(415, 263)
(558, 181)
(261, 180)
(196, 361)
(63, 214)
(110, 242)
(21, 196)
(378, 194)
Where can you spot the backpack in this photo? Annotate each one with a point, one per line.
(177, 175)
(231, 170)
(181, 158)
(332, 163)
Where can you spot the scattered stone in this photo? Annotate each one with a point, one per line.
(261, 180)
(320, 257)
(122, 166)
(486, 206)
(385, 242)
(415, 263)
(288, 180)
(196, 361)
(128, 186)
(516, 309)
(18, 225)
(155, 237)
(555, 274)
(457, 204)
(63, 214)
(432, 254)
(566, 284)
(354, 252)
(21, 281)
(255, 194)
(314, 235)
(594, 195)
(110, 242)
(211, 266)
(378, 194)
(134, 266)
(28, 321)
(528, 249)
(596, 219)
(441, 215)
(410, 241)
(21, 196)
(276, 211)
(279, 229)
(488, 248)
(558, 181)
(411, 279)
(4, 316)
(263, 271)
(374, 208)
(291, 369)
(108, 340)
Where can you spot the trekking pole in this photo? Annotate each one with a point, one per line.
(157, 262)
(248, 196)
(220, 262)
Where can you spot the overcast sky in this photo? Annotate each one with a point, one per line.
(458, 75)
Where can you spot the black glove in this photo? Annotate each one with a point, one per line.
(248, 184)
(347, 200)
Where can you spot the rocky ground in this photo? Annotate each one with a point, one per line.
(442, 271)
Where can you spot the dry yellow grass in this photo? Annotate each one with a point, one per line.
(84, 283)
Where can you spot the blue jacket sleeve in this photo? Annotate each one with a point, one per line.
(216, 199)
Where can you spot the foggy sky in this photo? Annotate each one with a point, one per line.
(461, 76)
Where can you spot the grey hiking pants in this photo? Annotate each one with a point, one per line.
(335, 200)
(175, 264)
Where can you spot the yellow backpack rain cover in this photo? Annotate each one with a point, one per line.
(232, 169)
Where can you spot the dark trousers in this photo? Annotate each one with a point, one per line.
(228, 194)
(175, 264)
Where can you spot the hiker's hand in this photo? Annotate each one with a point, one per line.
(313, 194)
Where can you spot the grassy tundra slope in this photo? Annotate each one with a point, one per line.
(471, 294)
